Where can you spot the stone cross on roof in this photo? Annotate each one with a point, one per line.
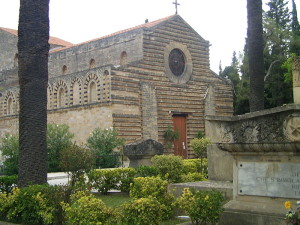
(176, 5)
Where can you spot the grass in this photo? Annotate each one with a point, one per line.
(115, 199)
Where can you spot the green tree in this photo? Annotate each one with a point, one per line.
(295, 42)
(277, 34)
(59, 137)
(9, 149)
(102, 142)
(33, 49)
(255, 54)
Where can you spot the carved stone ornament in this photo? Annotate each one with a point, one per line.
(291, 127)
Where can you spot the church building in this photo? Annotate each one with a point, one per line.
(139, 81)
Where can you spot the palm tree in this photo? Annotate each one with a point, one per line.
(33, 49)
(255, 54)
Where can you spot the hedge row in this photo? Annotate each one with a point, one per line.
(52, 205)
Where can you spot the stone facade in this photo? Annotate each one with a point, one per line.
(126, 80)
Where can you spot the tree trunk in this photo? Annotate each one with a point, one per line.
(33, 50)
(255, 54)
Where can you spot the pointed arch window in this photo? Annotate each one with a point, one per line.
(92, 92)
(10, 108)
(61, 98)
(123, 59)
(92, 63)
(64, 69)
(76, 94)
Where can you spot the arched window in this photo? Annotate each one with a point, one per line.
(10, 108)
(123, 59)
(64, 69)
(92, 92)
(76, 94)
(92, 63)
(61, 98)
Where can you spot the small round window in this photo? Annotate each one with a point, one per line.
(177, 62)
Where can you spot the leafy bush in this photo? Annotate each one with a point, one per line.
(189, 166)
(103, 180)
(142, 211)
(203, 207)
(144, 187)
(199, 146)
(170, 135)
(102, 142)
(192, 177)
(125, 177)
(147, 171)
(170, 166)
(10, 151)
(7, 183)
(76, 161)
(195, 165)
(34, 205)
(86, 210)
(59, 137)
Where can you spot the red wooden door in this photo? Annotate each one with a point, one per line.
(180, 148)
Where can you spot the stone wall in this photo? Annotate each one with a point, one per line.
(105, 51)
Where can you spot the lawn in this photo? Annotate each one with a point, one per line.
(114, 199)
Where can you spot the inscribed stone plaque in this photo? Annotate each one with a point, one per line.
(269, 179)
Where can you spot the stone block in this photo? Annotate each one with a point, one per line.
(141, 152)
(216, 170)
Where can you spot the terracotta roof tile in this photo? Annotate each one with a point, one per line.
(144, 25)
(52, 40)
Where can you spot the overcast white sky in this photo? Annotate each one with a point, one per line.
(222, 22)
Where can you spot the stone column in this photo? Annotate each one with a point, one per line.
(296, 79)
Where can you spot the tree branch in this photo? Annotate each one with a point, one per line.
(270, 68)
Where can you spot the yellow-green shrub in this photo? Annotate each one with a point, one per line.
(170, 167)
(203, 207)
(143, 187)
(86, 210)
(195, 165)
(142, 211)
(34, 205)
(192, 177)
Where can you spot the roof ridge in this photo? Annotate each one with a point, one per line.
(52, 40)
(144, 25)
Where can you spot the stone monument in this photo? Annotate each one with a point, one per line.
(260, 154)
(141, 152)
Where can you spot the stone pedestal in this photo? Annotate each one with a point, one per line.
(140, 153)
(265, 151)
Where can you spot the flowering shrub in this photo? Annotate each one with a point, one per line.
(195, 165)
(125, 177)
(86, 210)
(292, 216)
(142, 211)
(202, 206)
(143, 187)
(7, 183)
(192, 177)
(103, 180)
(34, 205)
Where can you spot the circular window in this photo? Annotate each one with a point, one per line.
(177, 62)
